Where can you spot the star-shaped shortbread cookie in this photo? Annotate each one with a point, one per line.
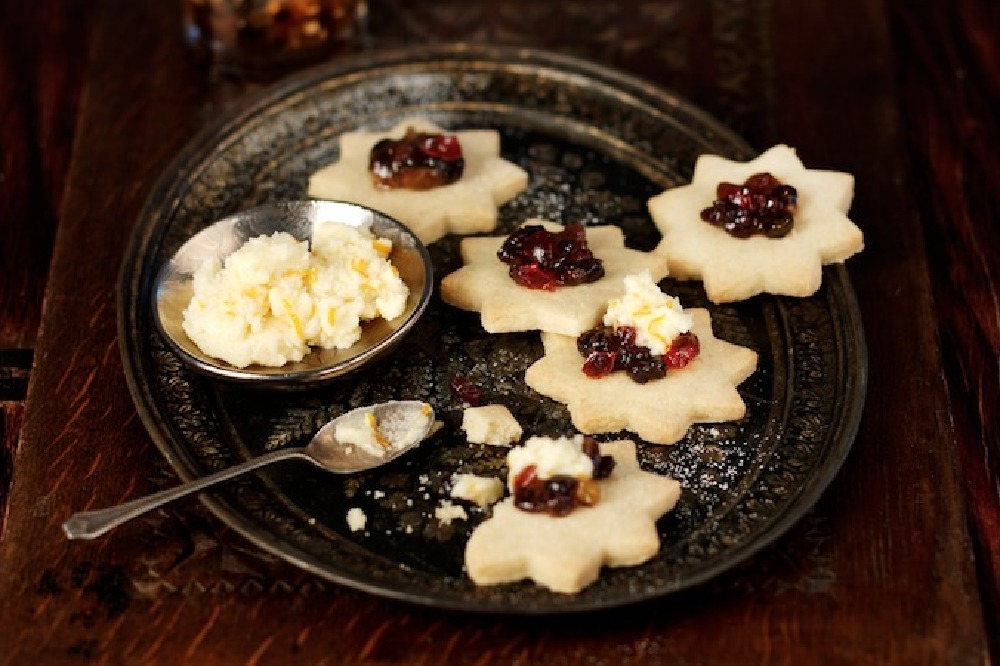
(734, 269)
(484, 285)
(566, 554)
(660, 411)
(468, 205)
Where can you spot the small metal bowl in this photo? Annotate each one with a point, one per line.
(173, 290)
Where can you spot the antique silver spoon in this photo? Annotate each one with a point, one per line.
(402, 425)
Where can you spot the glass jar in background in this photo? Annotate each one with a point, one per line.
(264, 36)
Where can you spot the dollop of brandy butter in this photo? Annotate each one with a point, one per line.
(542, 259)
(273, 299)
(556, 475)
(761, 205)
(645, 333)
(418, 161)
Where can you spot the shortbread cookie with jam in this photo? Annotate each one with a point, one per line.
(767, 225)
(545, 276)
(611, 519)
(433, 181)
(653, 369)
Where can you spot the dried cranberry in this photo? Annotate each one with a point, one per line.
(464, 390)
(561, 495)
(525, 476)
(418, 161)
(683, 350)
(761, 182)
(534, 276)
(599, 364)
(626, 335)
(787, 195)
(442, 147)
(778, 225)
(555, 496)
(726, 191)
(603, 465)
(643, 367)
(541, 259)
(596, 339)
(762, 205)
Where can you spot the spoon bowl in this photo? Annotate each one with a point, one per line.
(173, 290)
(347, 444)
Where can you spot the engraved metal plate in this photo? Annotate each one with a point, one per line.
(597, 144)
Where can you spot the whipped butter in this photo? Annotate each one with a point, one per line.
(562, 456)
(275, 296)
(656, 317)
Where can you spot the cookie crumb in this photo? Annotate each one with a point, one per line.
(447, 512)
(356, 519)
(480, 490)
(491, 424)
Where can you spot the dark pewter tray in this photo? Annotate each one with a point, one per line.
(597, 144)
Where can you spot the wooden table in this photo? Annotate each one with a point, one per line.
(898, 563)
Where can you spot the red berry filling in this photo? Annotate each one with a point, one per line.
(541, 259)
(465, 391)
(444, 147)
(559, 495)
(418, 161)
(762, 205)
(607, 349)
(682, 351)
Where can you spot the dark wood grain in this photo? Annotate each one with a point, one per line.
(880, 572)
(949, 71)
(40, 86)
(40, 81)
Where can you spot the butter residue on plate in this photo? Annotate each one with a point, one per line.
(275, 297)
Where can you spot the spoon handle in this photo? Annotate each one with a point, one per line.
(91, 524)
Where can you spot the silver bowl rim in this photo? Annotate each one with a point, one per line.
(324, 372)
